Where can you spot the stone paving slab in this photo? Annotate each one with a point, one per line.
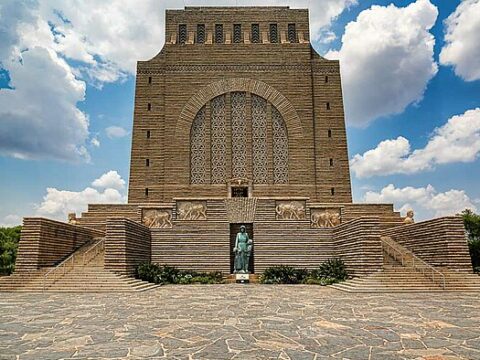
(239, 322)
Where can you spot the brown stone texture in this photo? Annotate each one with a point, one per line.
(439, 242)
(357, 242)
(46, 242)
(182, 78)
(127, 243)
(97, 214)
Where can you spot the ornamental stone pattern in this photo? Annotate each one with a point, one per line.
(290, 77)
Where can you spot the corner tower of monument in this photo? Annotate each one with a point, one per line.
(238, 94)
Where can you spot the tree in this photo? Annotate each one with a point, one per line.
(472, 225)
(9, 238)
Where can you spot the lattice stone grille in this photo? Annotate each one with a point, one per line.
(292, 33)
(237, 33)
(255, 33)
(219, 34)
(219, 140)
(182, 34)
(273, 33)
(259, 140)
(198, 149)
(200, 33)
(239, 135)
(280, 148)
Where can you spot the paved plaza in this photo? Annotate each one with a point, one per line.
(240, 322)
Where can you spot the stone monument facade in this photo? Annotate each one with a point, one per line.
(238, 121)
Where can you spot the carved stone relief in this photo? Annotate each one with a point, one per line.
(191, 210)
(280, 148)
(290, 210)
(157, 218)
(198, 149)
(324, 218)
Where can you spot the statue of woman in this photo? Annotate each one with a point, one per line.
(243, 248)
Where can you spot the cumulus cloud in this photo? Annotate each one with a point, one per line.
(58, 204)
(110, 179)
(456, 141)
(38, 115)
(426, 201)
(461, 49)
(11, 220)
(101, 42)
(387, 60)
(116, 132)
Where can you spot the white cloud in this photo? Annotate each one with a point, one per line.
(110, 179)
(39, 117)
(11, 221)
(95, 142)
(456, 141)
(426, 202)
(387, 59)
(58, 204)
(116, 132)
(462, 48)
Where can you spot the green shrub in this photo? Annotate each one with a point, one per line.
(171, 275)
(9, 238)
(329, 272)
(474, 247)
(472, 225)
(283, 274)
(333, 269)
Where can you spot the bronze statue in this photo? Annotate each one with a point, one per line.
(243, 250)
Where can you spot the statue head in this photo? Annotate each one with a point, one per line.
(410, 213)
(242, 228)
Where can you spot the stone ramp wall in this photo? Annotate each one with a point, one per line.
(439, 242)
(45, 242)
(127, 243)
(358, 243)
(97, 215)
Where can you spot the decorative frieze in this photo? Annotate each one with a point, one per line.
(290, 210)
(191, 210)
(157, 218)
(325, 218)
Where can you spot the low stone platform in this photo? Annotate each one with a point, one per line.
(240, 322)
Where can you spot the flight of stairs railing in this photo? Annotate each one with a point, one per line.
(82, 271)
(403, 271)
(410, 260)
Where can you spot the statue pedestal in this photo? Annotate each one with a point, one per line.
(242, 278)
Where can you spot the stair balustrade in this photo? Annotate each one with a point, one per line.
(69, 263)
(409, 259)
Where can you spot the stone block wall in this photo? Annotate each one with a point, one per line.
(45, 242)
(127, 243)
(174, 85)
(439, 242)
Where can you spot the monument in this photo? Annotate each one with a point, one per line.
(239, 134)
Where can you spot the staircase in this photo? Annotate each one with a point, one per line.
(82, 271)
(404, 272)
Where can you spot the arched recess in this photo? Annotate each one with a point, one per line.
(197, 101)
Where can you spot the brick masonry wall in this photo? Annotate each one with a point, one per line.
(358, 243)
(127, 243)
(46, 242)
(439, 242)
(97, 214)
(180, 73)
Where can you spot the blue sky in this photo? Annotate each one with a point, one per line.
(75, 141)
